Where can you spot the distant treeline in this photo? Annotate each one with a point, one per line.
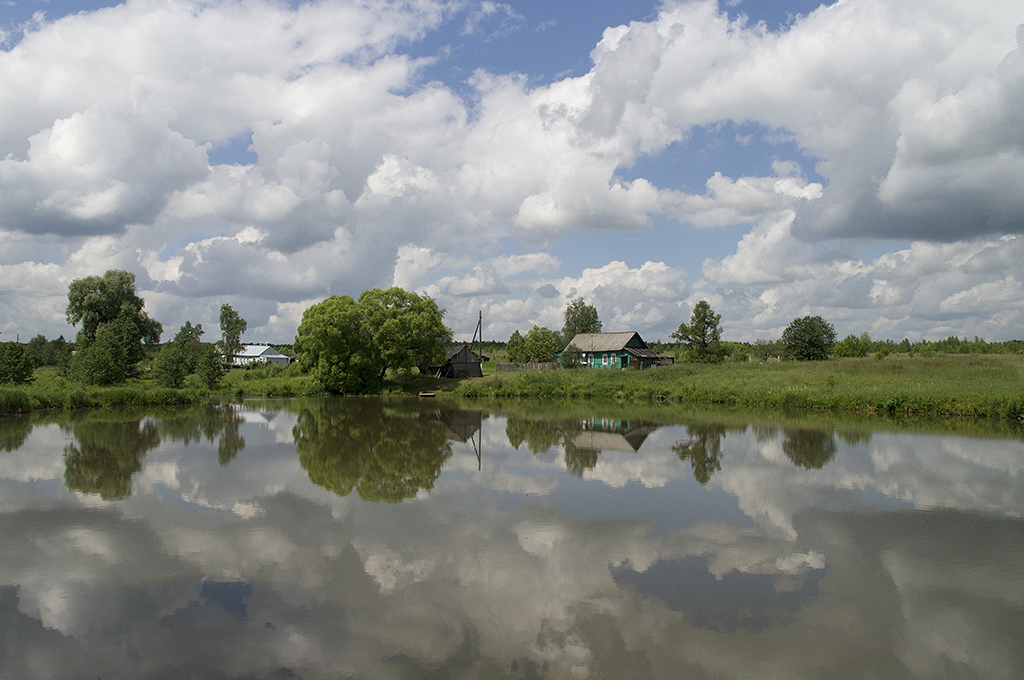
(851, 346)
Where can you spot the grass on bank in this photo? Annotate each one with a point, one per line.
(961, 386)
(987, 386)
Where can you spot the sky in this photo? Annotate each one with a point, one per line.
(861, 160)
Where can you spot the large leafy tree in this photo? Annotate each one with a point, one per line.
(580, 318)
(335, 345)
(541, 344)
(810, 338)
(114, 327)
(703, 335)
(408, 329)
(232, 325)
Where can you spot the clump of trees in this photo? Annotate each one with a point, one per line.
(115, 329)
(348, 345)
(703, 335)
(187, 360)
(540, 345)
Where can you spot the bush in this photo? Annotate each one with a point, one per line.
(15, 364)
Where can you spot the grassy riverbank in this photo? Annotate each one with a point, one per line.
(955, 386)
(987, 386)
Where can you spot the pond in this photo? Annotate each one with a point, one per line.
(364, 538)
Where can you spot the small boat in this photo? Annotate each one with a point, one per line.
(425, 395)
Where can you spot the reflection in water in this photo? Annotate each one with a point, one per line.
(214, 422)
(383, 454)
(649, 551)
(106, 454)
(703, 450)
(809, 449)
(735, 601)
(13, 432)
(109, 446)
(582, 440)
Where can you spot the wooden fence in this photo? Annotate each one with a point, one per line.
(511, 368)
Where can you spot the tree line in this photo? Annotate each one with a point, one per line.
(346, 345)
(349, 345)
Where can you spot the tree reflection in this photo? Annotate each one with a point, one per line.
(809, 449)
(359, 445)
(14, 430)
(703, 450)
(538, 435)
(215, 422)
(106, 454)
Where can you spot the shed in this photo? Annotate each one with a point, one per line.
(462, 362)
(259, 354)
(624, 349)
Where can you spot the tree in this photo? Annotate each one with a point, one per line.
(809, 339)
(111, 356)
(408, 329)
(231, 328)
(335, 345)
(94, 301)
(541, 344)
(16, 365)
(516, 348)
(189, 340)
(580, 318)
(703, 335)
(208, 367)
(114, 327)
(169, 366)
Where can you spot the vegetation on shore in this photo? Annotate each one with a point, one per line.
(973, 386)
(385, 342)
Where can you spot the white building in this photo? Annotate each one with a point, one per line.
(259, 354)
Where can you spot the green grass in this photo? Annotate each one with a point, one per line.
(950, 386)
(977, 386)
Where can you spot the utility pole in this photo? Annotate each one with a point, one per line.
(478, 338)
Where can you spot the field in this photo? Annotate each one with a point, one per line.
(950, 386)
(969, 386)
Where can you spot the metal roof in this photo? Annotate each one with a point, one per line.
(604, 342)
(259, 351)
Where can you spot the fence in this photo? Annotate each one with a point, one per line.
(537, 366)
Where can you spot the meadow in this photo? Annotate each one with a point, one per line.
(961, 386)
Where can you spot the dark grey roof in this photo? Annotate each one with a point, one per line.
(603, 342)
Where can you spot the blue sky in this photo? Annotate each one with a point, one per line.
(861, 160)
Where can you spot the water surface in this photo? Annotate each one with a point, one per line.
(363, 538)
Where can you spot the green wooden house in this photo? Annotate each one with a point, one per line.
(617, 350)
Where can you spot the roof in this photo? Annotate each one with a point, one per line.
(455, 351)
(605, 342)
(259, 351)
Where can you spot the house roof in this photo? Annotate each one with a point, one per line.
(605, 342)
(454, 351)
(259, 351)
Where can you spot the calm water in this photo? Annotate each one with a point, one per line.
(364, 539)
